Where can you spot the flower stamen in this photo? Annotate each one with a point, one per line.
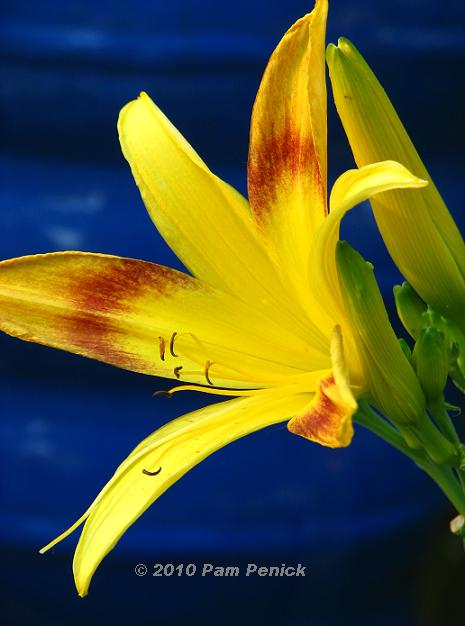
(147, 473)
(162, 392)
(162, 348)
(173, 336)
(208, 365)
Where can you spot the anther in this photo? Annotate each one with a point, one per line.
(208, 364)
(176, 371)
(147, 473)
(162, 348)
(172, 344)
(165, 394)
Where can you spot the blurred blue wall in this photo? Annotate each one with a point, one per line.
(359, 518)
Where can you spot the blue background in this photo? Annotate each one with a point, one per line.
(363, 520)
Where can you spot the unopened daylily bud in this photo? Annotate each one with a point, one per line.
(391, 380)
(454, 342)
(410, 308)
(431, 362)
(416, 225)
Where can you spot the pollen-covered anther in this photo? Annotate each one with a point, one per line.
(148, 473)
(162, 347)
(177, 371)
(163, 393)
(206, 372)
(173, 337)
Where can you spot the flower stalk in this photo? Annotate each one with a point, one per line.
(442, 475)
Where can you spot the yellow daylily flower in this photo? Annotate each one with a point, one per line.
(261, 318)
(417, 228)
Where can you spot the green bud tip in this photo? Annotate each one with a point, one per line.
(410, 309)
(431, 361)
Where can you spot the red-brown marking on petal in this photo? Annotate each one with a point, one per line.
(110, 290)
(278, 164)
(99, 338)
(320, 417)
(324, 420)
(115, 282)
(88, 304)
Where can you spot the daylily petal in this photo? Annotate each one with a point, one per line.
(327, 419)
(204, 220)
(168, 453)
(147, 318)
(417, 227)
(287, 156)
(351, 188)
(355, 186)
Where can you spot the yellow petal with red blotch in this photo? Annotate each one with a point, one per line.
(205, 221)
(167, 455)
(351, 188)
(147, 318)
(287, 157)
(327, 419)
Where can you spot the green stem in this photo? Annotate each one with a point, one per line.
(443, 476)
(443, 420)
(368, 418)
(436, 445)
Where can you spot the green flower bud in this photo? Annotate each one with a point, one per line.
(431, 361)
(390, 378)
(410, 309)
